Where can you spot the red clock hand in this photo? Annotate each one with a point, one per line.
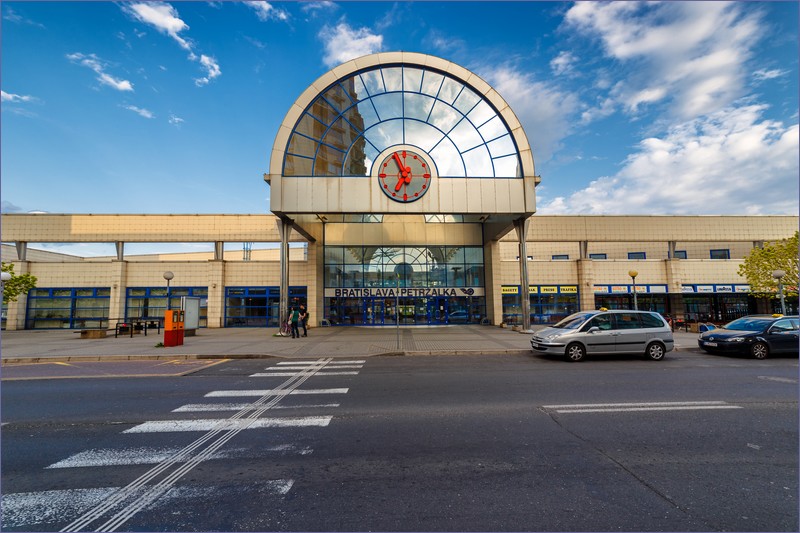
(399, 163)
(400, 182)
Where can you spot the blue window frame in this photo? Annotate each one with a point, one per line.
(598, 256)
(67, 308)
(258, 307)
(721, 254)
(680, 254)
(560, 257)
(637, 255)
(356, 118)
(150, 303)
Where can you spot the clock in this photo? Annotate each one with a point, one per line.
(404, 175)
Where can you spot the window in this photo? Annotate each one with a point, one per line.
(530, 258)
(637, 255)
(598, 256)
(603, 322)
(628, 321)
(680, 254)
(720, 254)
(650, 320)
(560, 257)
(68, 308)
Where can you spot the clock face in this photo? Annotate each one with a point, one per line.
(404, 176)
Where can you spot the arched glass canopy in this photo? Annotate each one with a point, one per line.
(345, 127)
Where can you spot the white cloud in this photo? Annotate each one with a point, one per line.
(343, 43)
(212, 70)
(313, 7)
(544, 109)
(695, 52)
(163, 17)
(96, 64)
(175, 120)
(166, 20)
(731, 162)
(138, 110)
(266, 11)
(764, 74)
(15, 98)
(562, 63)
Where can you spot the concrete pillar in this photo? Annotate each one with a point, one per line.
(120, 250)
(522, 226)
(284, 229)
(119, 290)
(219, 251)
(22, 250)
(586, 284)
(671, 249)
(584, 250)
(494, 295)
(215, 313)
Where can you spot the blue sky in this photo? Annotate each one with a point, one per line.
(630, 108)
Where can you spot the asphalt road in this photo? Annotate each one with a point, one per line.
(485, 443)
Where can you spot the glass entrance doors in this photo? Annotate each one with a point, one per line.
(419, 311)
(437, 310)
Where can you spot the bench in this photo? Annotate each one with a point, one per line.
(93, 333)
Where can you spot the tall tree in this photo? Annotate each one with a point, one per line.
(17, 284)
(760, 263)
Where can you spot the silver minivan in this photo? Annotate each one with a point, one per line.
(619, 331)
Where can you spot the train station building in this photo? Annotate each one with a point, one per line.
(402, 190)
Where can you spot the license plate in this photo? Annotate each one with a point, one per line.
(709, 343)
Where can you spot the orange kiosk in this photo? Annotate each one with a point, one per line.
(173, 328)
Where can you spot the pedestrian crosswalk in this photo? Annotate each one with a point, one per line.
(110, 508)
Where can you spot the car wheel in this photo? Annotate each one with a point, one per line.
(575, 352)
(759, 350)
(656, 351)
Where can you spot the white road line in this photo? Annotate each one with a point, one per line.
(337, 367)
(225, 424)
(143, 456)
(201, 407)
(287, 374)
(147, 488)
(779, 380)
(271, 392)
(631, 409)
(634, 407)
(645, 404)
(308, 363)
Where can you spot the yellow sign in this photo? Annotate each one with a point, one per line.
(510, 290)
(533, 289)
(549, 290)
(569, 289)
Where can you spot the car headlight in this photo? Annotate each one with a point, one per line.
(737, 339)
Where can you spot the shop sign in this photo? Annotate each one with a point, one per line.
(741, 288)
(724, 288)
(601, 289)
(619, 289)
(403, 292)
(659, 289)
(509, 290)
(568, 289)
(549, 290)
(533, 289)
(705, 288)
(687, 288)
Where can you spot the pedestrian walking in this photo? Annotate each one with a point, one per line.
(304, 319)
(294, 318)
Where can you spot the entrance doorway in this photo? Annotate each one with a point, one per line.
(437, 310)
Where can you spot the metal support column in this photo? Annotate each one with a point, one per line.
(522, 225)
(284, 228)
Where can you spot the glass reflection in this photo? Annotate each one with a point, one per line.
(346, 127)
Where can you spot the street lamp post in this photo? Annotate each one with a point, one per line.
(778, 274)
(633, 274)
(168, 276)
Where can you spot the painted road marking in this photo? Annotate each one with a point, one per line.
(272, 392)
(144, 456)
(28, 509)
(779, 380)
(337, 367)
(307, 363)
(226, 424)
(632, 407)
(287, 374)
(200, 407)
(153, 484)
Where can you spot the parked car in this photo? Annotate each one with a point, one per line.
(618, 331)
(754, 335)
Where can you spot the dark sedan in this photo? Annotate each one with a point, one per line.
(755, 335)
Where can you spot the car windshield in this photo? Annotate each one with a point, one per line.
(749, 324)
(574, 321)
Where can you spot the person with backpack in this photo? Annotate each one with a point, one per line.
(304, 320)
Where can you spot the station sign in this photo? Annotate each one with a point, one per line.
(403, 292)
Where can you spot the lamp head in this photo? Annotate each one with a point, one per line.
(168, 275)
(778, 274)
(632, 273)
(5, 276)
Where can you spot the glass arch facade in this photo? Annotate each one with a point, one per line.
(359, 116)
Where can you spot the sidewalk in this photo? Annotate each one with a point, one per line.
(66, 345)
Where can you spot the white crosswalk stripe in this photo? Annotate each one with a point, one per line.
(201, 407)
(287, 374)
(225, 424)
(271, 392)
